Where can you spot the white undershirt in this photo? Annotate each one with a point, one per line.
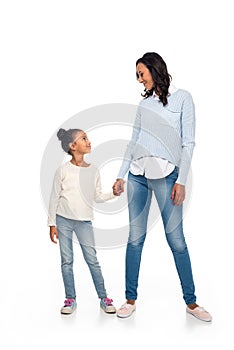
(153, 167)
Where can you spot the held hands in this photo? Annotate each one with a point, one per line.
(118, 187)
(178, 194)
(53, 234)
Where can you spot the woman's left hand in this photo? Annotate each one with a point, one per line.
(178, 194)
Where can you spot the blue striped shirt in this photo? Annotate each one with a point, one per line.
(167, 132)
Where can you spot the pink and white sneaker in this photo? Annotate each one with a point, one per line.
(200, 313)
(126, 310)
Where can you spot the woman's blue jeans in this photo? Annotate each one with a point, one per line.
(140, 192)
(85, 236)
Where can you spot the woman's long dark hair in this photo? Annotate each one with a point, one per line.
(160, 76)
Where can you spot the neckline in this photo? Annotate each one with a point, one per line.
(155, 97)
(79, 167)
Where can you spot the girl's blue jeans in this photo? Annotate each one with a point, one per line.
(84, 233)
(139, 193)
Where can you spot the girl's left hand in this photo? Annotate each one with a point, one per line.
(54, 234)
(178, 194)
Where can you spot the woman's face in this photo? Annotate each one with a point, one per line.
(144, 76)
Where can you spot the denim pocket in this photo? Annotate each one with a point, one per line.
(173, 175)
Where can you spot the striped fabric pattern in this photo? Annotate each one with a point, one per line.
(167, 132)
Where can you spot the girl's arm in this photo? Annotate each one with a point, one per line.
(99, 196)
(54, 198)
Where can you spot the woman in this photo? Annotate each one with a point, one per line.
(158, 159)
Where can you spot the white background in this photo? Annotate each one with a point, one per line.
(57, 59)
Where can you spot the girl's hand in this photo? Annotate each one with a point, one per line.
(118, 187)
(178, 194)
(53, 234)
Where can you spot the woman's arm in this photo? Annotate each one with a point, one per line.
(128, 154)
(187, 138)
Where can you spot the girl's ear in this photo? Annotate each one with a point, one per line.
(72, 146)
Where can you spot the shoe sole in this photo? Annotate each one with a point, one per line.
(198, 318)
(68, 312)
(107, 312)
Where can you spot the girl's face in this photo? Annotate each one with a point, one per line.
(144, 76)
(81, 143)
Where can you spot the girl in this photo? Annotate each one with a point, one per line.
(76, 185)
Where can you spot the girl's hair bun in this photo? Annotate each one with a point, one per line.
(61, 134)
(66, 137)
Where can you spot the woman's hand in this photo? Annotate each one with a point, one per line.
(178, 194)
(118, 187)
(53, 234)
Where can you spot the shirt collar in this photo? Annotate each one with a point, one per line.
(171, 91)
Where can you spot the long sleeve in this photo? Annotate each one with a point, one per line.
(128, 154)
(54, 198)
(101, 197)
(187, 138)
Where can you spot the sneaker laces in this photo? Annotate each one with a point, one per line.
(68, 302)
(202, 309)
(108, 301)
